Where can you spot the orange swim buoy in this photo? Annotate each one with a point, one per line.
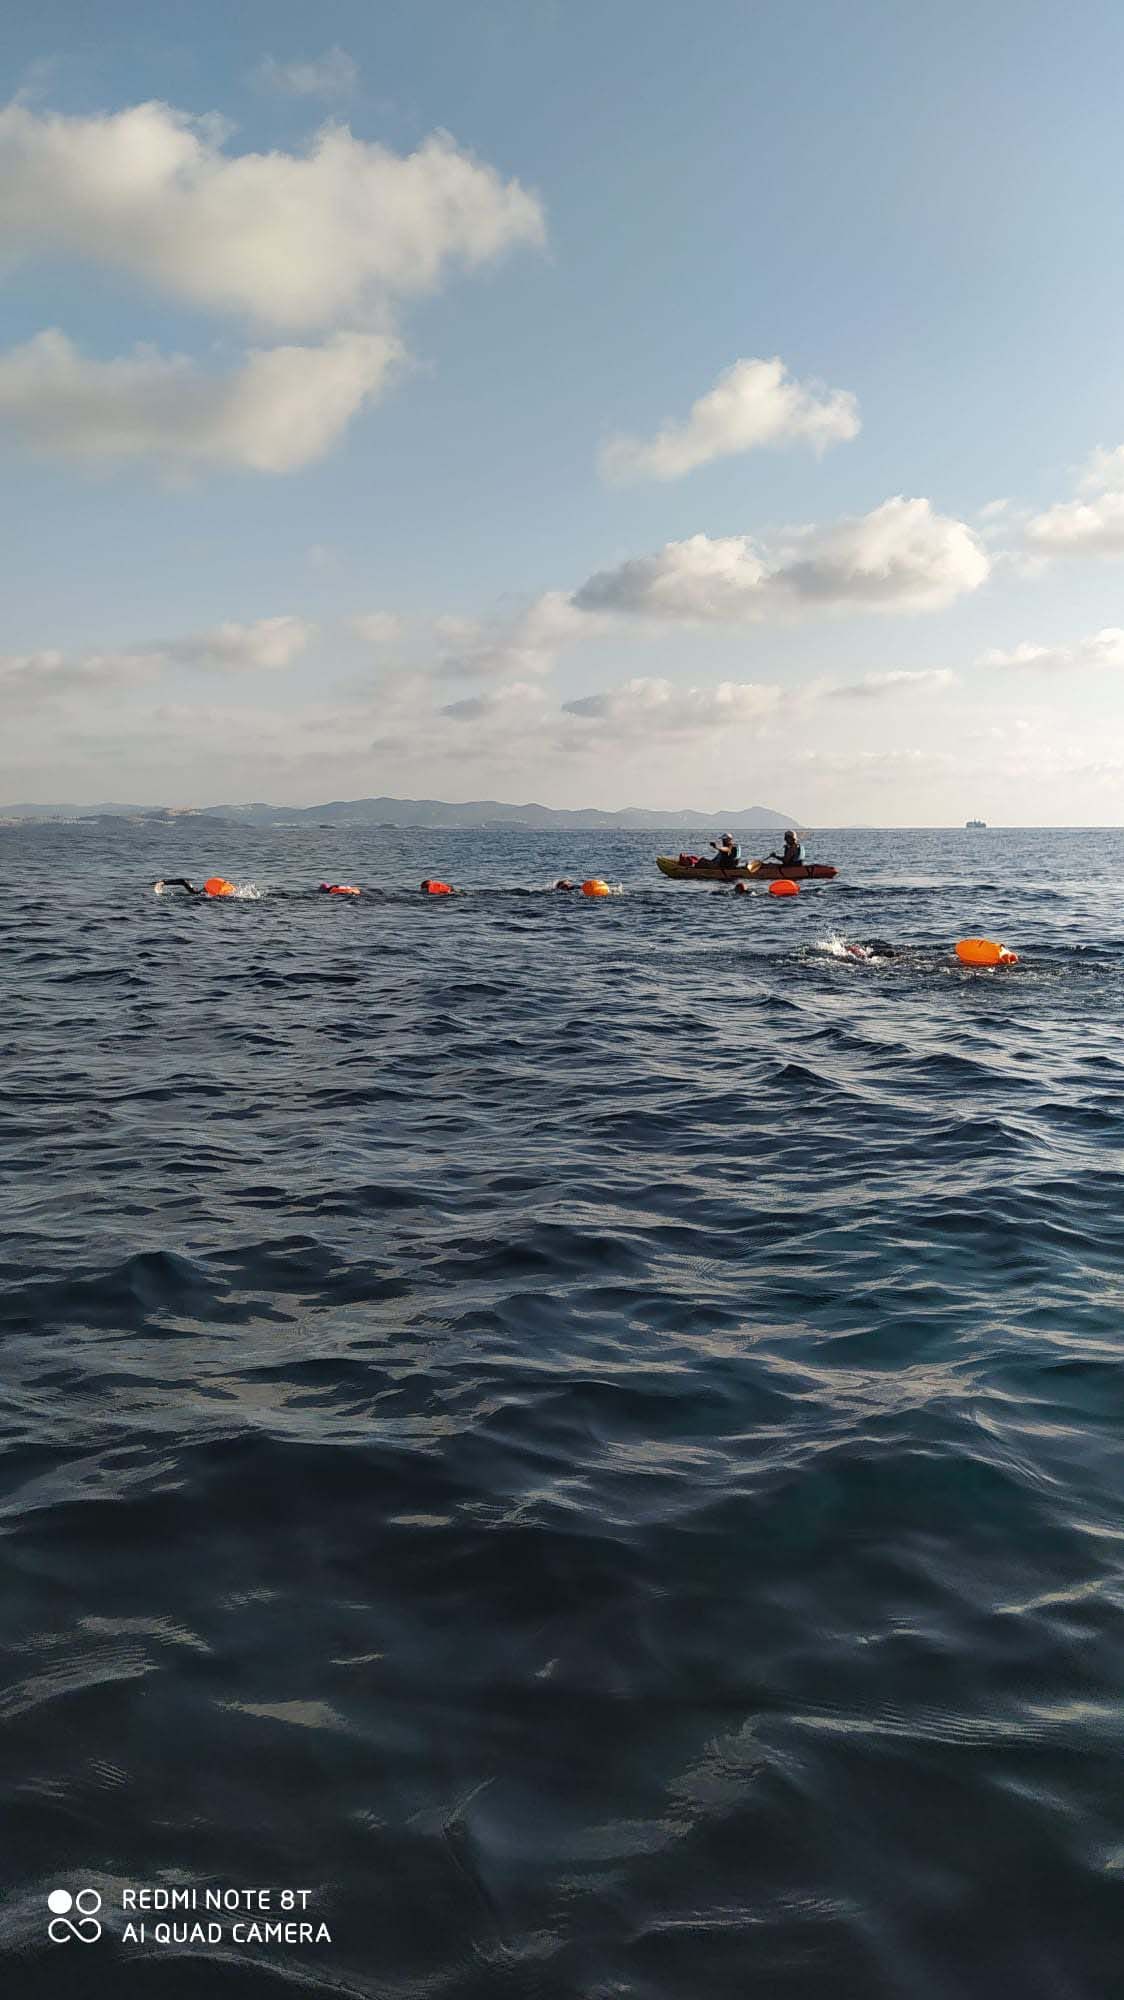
(596, 887)
(984, 951)
(217, 885)
(784, 887)
(431, 888)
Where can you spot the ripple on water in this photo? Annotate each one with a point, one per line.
(590, 1436)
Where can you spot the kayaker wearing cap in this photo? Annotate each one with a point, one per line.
(726, 850)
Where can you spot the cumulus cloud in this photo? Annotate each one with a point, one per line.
(650, 706)
(872, 687)
(378, 628)
(280, 409)
(266, 645)
(1105, 471)
(521, 648)
(30, 680)
(901, 556)
(1080, 527)
(1093, 527)
(1101, 649)
(334, 74)
(292, 241)
(754, 403)
(27, 680)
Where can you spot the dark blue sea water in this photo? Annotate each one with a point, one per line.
(586, 1436)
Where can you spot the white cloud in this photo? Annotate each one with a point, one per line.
(902, 556)
(1101, 649)
(291, 241)
(873, 686)
(754, 403)
(268, 644)
(334, 74)
(1080, 527)
(1105, 471)
(651, 707)
(378, 628)
(1093, 527)
(522, 648)
(27, 680)
(280, 409)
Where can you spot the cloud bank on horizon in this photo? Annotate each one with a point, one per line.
(540, 582)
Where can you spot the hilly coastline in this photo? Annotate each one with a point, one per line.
(416, 812)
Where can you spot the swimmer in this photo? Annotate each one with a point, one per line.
(215, 885)
(431, 888)
(564, 882)
(873, 948)
(338, 889)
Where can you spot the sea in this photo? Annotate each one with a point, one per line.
(583, 1439)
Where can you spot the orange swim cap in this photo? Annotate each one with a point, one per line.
(217, 885)
(430, 888)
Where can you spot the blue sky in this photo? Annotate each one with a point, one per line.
(346, 543)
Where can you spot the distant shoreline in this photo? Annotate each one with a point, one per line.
(399, 814)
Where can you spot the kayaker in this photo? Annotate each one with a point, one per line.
(726, 851)
(794, 855)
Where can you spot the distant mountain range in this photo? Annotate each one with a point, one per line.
(416, 812)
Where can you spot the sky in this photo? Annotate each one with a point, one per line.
(644, 404)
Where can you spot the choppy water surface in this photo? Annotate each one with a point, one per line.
(587, 1434)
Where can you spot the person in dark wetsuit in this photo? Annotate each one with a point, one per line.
(176, 882)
